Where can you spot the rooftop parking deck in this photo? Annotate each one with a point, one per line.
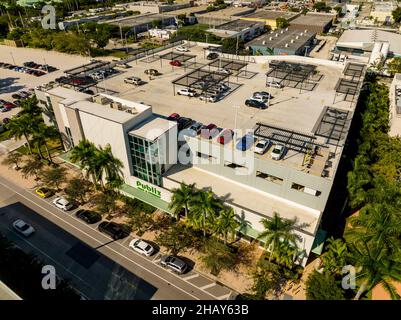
(291, 107)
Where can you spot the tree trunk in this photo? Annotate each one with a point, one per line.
(225, 237)
(28, 143)
(361, 290)
(271, 253)
(48, 153)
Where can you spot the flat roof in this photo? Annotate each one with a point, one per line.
(189, 10)
(103, 111)
(271, 15)
(313, 19)
(228, 12)
(152, 128)
(138, 20)
(237, 25)
(69, 96)
(244, 196)
(293, 38)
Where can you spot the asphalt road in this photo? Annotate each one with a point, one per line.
(97, 266)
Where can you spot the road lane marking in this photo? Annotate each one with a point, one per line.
(192, 276)
(111, 249)
(225, 297)
(208, 286)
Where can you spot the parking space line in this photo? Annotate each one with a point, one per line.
(224, 297)
(208, 286)
(191, 276)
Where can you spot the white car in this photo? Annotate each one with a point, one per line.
(22, 227)
(208, 98)
(186, 92)
(182, 49)
(133, 80)
(262, 146)
(258, 98)
(275, 84)
(62, 203)
(224, 71)
(141, 247)
(277, 152)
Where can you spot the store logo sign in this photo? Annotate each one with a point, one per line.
(149, 189)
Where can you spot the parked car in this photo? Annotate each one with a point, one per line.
(225, 136)
(275, 84)
(261, 146)
(62, 203)
(262, 94)
(22, 227)
(141, 247)
(195, 128)
(255, 104)
(258, 98)
(225, 71)
(209, 131)
(16, 96)
(174, 263)
(187, 92)
(44, 192)
(88, 216)
(113, 229)
(173, 117)
(133, 80)
(245, 142)
(152, 72)
(123, 65)
(183, 123)
(182, 49)
(277, 152)
(212, 56)
(208, 97)
(176, 63)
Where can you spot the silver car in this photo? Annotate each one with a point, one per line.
(174, 263)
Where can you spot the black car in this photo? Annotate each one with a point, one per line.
(212, 56)
(88, 216)
(113, 229)
(17, 102)
(255, 104)
(184, 123)
(152, 72)
(16, 96)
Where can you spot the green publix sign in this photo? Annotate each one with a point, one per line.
(149, 189)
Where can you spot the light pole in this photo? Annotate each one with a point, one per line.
(269, 81)
(235, 121)
(12, 57)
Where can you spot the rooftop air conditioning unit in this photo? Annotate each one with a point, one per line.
(271, 38)
(276, 35)
(286, 29)
(132, 110)
(263, 42)
(297, 37)
(282, 31)
(306, 30)
(116, 105)
(301, 34)
(292, 40)
(286, 45)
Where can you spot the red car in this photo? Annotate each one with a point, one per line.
(174, 117)
(176, 63)
(9, 105)
(225, 136)
(209, 131)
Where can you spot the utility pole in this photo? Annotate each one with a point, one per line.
(236, 46)
(235, 121)
(12, 57)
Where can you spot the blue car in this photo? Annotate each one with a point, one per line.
(245, 142)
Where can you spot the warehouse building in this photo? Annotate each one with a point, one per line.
(245, 30)
(218, 17)
(269, 17)
(283, 42)
(362, 42)
(314, 22)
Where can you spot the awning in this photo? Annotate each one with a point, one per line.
(247, 230)
(145, 197)
(318, 244)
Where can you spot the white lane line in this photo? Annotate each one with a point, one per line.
(116, 252)
(208, 286)
(225, 297)
(191, 276)
(45, 254)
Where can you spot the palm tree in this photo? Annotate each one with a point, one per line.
(181, 198)
(41, 134)
(83, 154)
(30, 107)
(226, 223)
(279, 230)
(376, 267)
(21, 127)
(13, 159)
(108, 164)
(32, 168)
(204, 208)
(335, 257)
